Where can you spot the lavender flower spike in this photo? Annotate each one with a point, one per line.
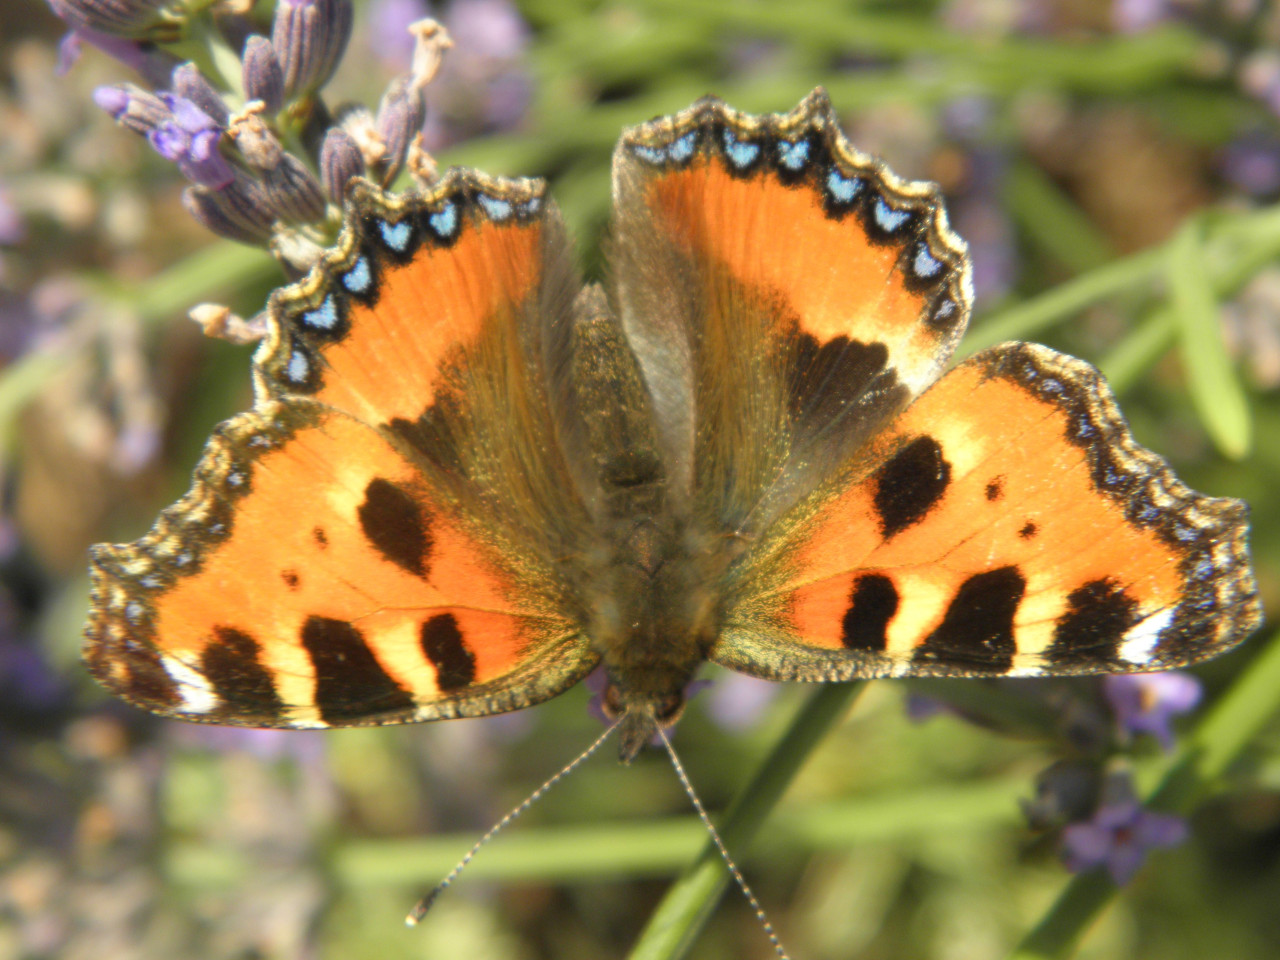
(190, 139)
(309, 38)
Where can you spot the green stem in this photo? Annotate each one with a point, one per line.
(674, 926)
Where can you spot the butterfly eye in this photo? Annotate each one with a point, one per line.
(611, 702)
(668, 709)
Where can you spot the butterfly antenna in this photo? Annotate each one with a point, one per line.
(724, 851)
(420, 909)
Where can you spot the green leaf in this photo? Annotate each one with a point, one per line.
(1215, 390)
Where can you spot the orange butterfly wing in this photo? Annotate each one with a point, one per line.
(1005, 524)
(336, 561)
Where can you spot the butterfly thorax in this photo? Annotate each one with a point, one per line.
(653, 617)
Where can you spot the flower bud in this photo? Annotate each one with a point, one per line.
(238, 211)
(190, 84)
(131, 106)
(309, 38)
(293, 192)
(340, 161)
(400, 117)
(263, 79)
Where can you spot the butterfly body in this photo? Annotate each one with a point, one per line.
(468, 479)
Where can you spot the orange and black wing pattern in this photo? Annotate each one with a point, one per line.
(351, 550)
(1006, 524)
(786, 294)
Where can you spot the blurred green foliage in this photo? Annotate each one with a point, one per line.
(1118, 231)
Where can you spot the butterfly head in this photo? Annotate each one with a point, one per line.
(640, 717)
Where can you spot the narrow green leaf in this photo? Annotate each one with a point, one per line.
(1215, 390)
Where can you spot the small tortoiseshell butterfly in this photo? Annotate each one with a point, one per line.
(467, 479)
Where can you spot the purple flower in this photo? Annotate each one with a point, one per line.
(190, 139)
(487, 30)
(1119, 834)
(1260, 77)
(736, 700)
(11, 227)
(151, 63)
(1135, 16)
(1252, 163)
(1148, 702)
(388, 35)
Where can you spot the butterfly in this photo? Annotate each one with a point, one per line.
(468, 479)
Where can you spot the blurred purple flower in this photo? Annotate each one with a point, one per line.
(736, 700)
(1260, 77)
(487, 30)
(388, 36)
(1148, 702)
(303, 746)
(1120, 834)
(1066, 792)
(190, 139)
(12, 229)
(1252, 163)
(921, 708)
(151, 63)
(1135, 16)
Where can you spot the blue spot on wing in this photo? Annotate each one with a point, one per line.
(740, 152)
(498, 210)
(843, 189)
(683, 148)
(652, 155)
(395, 235)
(323, 317)
(925, 263)
(444, 221)
(358, 278)
(794, 156)
(298, 367)
(887, 218)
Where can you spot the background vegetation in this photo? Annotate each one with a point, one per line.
(1114, 166)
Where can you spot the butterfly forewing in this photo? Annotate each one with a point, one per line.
(373, 543)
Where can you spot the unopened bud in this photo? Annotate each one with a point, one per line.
(263, 78)
(190, 84)
(239, 211)
(309, 38)
(340, 161)
(400, 117)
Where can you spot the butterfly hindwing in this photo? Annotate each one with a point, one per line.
(1005, 524)
(375, 542)
(786, 295)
